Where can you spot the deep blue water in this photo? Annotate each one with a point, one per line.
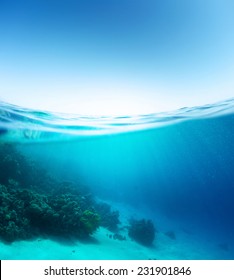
(177, 165)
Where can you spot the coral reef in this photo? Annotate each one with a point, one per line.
(16, 168)
(109, 218)
(14, 224)
(32, 203)
(142, 231)
(25, 214)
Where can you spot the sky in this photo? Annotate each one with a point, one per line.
(116, 57)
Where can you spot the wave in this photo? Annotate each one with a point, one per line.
(18, 124)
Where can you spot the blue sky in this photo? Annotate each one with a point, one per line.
(116, 56)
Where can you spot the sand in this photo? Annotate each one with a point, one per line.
(102, 246)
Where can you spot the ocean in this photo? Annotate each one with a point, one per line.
(157, 186)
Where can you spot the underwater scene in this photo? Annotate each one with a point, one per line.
(149, 187)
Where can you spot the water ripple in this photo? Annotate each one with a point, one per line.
(19, 124)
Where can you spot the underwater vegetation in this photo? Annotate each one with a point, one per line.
(32, 203)
(142, 231)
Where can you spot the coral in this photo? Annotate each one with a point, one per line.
(90, 221)
(142, 231)
(109, 219)
(33, 204)
(9, 164)
(17, 169)
(13, 224)
(27, 213)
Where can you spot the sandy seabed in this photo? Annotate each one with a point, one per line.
(102, 246)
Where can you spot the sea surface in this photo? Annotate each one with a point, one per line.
(174, 169)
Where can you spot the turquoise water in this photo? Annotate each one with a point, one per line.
(174, 169)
